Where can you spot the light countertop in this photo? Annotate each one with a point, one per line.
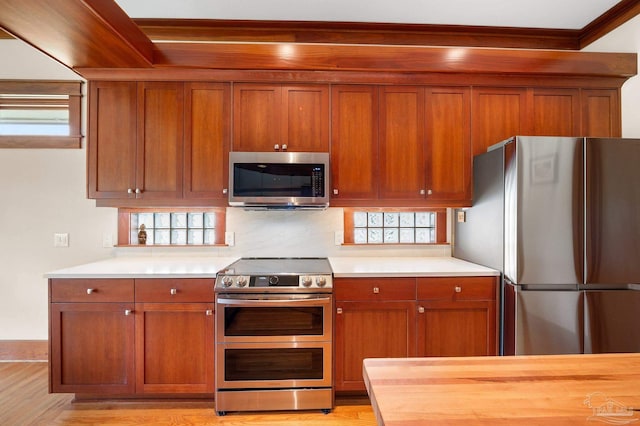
(354, 267)
(147, 267)
(208, 266)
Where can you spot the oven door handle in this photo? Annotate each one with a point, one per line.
(245, 301)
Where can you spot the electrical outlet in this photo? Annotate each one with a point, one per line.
(107, 240)
(229, 238)
(462, 216)
(338, 238)
(61, 240)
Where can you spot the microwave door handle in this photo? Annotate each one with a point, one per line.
(272, 301)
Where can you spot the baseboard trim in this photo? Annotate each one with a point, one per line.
(24, 350)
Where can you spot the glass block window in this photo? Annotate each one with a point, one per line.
(385, 226)
(186, 227)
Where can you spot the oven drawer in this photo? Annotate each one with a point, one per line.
(274, 318)
(273, 365)
(167, 290)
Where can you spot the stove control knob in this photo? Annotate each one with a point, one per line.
(306, 281)
(241, 281)
(227, 281)
(321, 281)
(274, 280)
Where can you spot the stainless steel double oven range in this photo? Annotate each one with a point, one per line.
(274, 335)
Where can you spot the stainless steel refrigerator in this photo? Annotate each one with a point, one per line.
(560, 218)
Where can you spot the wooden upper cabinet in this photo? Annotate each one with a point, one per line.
(305, 121)
(160, 140)
(601, 113)
(274, 117)
(556, 112)
(354, 142)
(112, 139)
(448, 136)
(135, 140)
(206, 140)
(497, 114)
(402, 147)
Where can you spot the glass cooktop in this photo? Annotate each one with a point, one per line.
(279, 266)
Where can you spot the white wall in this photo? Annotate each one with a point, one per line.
(625, 38)
(42, 191)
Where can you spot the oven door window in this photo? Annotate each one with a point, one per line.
(273, 321)
(273, 364)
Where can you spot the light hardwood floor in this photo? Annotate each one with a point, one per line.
(24, 400)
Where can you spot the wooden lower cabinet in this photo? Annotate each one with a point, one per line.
(131, 337)
(457, 316)
(403, 317)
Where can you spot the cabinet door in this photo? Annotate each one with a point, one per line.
(556, 112)
(257, 117)
(497, 114)
(459, 328)
(174, 348)
(206, 146)
(112, 139)
(305, 118)
(448, 122)
(92, 348)
(402, 145)
(160, 140)
(368, 330)
(354, 142)
(601, 113)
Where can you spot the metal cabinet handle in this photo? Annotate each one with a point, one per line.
(127, 312)
(209, 312)
(276, 147)
(422, 192)
(338, 310)
(284, 146)
(421, 309)
(173, 291)
(138, 191)
(129, 191)
(429, 192)
(458, 289)
(225, 191)
(335, 191)
(90, 290)
(376, 290)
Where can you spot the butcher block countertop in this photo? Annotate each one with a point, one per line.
(523, 390)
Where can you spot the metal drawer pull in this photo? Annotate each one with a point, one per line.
(127, 312)
(376, 290)
(458, 289)
(421, 309)
(339, 311)
(174, 291)
(90, 291)
(209, 312)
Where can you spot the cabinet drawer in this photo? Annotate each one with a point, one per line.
(369, 289)
(91, 290)
(457, 288)
(175, 290)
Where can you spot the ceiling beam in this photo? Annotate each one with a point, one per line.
(609, 21)
(78, 33)
(207, 30)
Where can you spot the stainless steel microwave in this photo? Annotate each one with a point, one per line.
(279, 180)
